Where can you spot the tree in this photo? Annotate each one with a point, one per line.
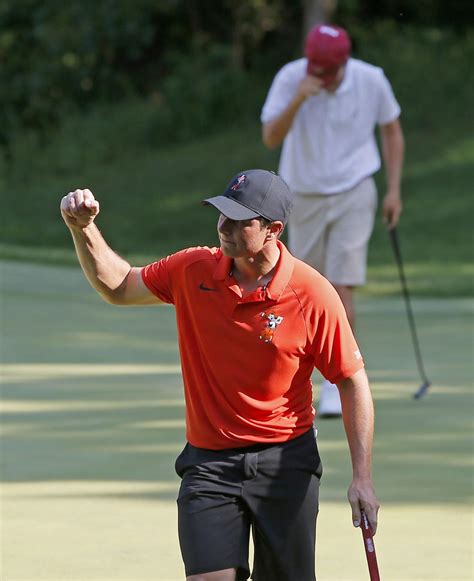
(316, 11)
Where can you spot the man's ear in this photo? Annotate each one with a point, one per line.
(275, 229)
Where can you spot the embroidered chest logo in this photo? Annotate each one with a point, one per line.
(271, 323)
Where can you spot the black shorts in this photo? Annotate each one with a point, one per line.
(272, 490)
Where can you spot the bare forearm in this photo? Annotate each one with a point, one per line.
(358, 417)
(275, 131)
(393, 150)
(111, 276)
(104, 269)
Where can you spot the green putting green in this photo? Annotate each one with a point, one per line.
(93, 418)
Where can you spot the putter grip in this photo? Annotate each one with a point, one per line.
(369, 548)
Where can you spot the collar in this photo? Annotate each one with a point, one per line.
(280, 280)
(224, 265)
(348, 78)
(283, 272)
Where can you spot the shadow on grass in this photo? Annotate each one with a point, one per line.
(114, 428)
(93, 394)
(129, 429)
(422, 452)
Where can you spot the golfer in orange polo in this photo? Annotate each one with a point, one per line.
(253, 323)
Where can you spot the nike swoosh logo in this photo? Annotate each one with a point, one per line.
(206, 288)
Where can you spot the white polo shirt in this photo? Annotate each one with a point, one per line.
(331, 146)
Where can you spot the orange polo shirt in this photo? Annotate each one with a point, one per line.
(247, 362)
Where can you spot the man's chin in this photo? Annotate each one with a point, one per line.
(228, 250)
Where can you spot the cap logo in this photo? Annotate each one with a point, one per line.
(240, 180)
(329, 31)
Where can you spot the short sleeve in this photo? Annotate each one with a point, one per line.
(388, 109)
(161, 277)
(336, 353)
(282, 91)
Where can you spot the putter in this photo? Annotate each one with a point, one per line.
(369, 548)
(411, 319)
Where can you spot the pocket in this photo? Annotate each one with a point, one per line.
(180, 463)
(372, 193)
(318, 465)
(363, 197)
(301, 454)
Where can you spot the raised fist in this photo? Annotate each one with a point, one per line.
(79, 209)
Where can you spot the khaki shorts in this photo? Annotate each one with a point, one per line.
(332, 232)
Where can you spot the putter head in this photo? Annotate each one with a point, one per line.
(421, 390)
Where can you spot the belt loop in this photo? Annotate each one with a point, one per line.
(250, 464)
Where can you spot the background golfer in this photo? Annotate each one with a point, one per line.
(324, 108)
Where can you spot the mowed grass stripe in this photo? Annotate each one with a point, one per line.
(94, 419)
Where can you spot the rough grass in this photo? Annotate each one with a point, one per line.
(150, 190)
(150, 206)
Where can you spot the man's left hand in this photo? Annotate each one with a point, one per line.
(392, 208)
(361, 495)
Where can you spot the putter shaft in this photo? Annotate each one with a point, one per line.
(411, 318)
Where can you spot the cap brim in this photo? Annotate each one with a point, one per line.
(231, 209)
(325, 63)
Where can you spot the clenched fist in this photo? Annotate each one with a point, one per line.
(79, 209)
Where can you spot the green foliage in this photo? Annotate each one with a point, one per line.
(426, 66)
(58, 54)
(208, 109)
(457, 15)
(204, 92)
(430, 70)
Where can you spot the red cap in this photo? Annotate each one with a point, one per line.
(327, 46)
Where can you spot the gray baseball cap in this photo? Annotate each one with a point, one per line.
(255, 193)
